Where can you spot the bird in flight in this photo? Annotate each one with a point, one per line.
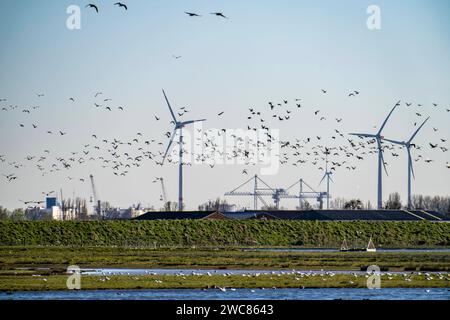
(121, 5)
(72, 99)
(92, 6)
(176, 57)
(191, 14)
(221, 113)
(219, 14)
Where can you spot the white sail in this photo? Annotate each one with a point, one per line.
(371, 246)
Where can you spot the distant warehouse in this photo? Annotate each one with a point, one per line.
(322, 215)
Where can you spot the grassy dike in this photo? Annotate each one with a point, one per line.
(204, 233)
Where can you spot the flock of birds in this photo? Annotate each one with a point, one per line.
(125, 7)
(121, 155)
(298, 275)
(95, 7)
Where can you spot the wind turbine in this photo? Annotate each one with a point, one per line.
(328, 176)
(408, 145)
(381, 163)
(179, 125)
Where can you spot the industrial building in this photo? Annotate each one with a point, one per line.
(320, 215)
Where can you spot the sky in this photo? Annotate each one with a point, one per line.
(265, 51)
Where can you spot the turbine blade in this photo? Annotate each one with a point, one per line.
(170, 108)
(322, 179)
(411, 164)
(366, 135)
(394, 141)
(387, 118)
(191, 121)
(331, 179)
(380, 150)
(169, 145)
(415, 133)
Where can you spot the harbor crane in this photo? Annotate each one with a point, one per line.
(277, 193)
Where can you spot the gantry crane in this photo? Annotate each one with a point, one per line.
(277, 193)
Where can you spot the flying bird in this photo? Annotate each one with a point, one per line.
(121, 5)
(92, 6)
(191, 14)
(219, 14)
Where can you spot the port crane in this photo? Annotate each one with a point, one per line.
(305, 192)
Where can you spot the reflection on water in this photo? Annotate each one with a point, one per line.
(238, 294)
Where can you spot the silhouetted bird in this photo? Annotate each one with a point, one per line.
(219, 14)
(92, 6)
(191, 14)
(121, 5)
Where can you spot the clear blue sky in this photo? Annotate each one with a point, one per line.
(266, 51)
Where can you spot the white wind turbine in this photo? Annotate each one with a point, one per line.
(408, 145)
(178, 126)
(378, 137)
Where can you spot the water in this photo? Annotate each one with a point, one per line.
(445, 250)
(238, 294)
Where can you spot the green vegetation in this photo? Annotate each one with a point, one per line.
(59, 258)
(58, 282)
(212, 233)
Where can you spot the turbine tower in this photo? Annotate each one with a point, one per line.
(378, 137)
(328, 176)
(408, 145)
(178, 126)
